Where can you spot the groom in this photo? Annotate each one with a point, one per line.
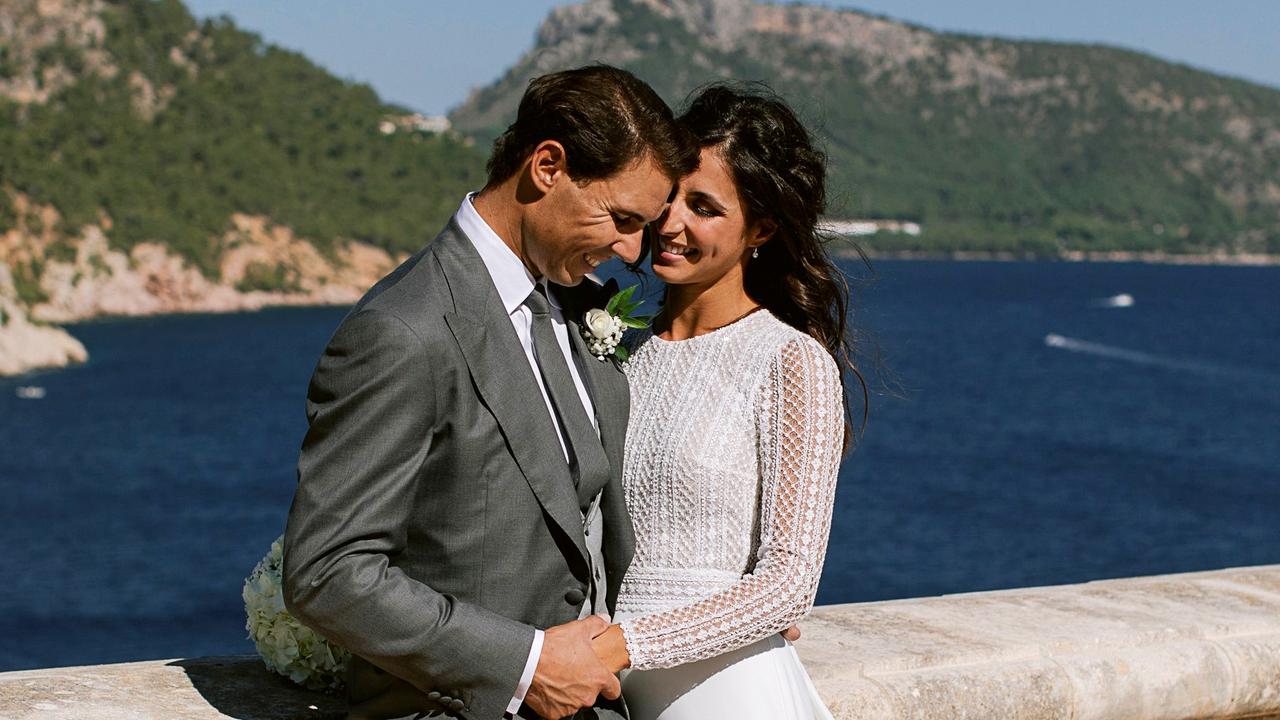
(459, 517)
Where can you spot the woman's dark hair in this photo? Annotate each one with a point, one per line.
(781, 177)
(606, 119)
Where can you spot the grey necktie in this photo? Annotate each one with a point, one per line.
(588, 464)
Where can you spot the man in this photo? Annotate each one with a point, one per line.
(459, 484)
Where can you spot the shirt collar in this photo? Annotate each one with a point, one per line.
(510, 276)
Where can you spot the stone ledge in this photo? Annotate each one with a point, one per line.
(1196, 645)
(1190, 646)
(210, 688)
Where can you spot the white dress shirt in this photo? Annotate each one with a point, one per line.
(514, 283)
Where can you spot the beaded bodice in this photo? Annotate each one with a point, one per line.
(730, 467)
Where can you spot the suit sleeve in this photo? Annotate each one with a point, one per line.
(370, 409)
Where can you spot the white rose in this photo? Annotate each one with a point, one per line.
(600, 323)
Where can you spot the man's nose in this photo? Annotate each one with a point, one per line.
(628, 246)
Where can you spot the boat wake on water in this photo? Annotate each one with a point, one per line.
(1138, 357)
(1123, 300)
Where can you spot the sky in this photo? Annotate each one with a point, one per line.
(428, 54)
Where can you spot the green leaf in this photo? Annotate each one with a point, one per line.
(621, 353)
(638, 323)
(621, 304)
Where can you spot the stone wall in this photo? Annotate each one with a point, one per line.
(1193, 646)
(1197, 645)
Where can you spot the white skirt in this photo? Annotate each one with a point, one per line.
(762, 681)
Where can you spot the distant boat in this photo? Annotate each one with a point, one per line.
(1123, 300)
(30, 392)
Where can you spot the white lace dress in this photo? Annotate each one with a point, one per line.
(732, 452)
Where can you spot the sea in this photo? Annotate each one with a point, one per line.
(1030, 423)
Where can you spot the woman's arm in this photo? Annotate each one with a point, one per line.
(801, 428)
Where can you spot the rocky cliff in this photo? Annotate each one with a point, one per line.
(82, 277)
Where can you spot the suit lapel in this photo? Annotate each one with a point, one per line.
(609, 394)
(505, 381)
(612, 399)
(605, 382)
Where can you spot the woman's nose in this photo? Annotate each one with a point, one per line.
(671, 223)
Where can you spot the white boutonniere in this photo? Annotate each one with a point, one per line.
(602, 329)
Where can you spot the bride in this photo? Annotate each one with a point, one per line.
(737, 427)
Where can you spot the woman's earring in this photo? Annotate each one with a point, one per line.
(755, 253)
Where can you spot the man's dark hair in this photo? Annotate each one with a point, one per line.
(606, 119)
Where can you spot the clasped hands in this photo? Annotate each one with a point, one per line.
(580, 661)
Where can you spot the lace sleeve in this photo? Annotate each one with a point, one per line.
(801, 428)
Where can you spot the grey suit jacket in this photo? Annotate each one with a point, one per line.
(435, 523)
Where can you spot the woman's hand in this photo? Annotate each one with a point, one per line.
(611, 648)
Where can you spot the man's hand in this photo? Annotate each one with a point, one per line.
(569, 676)
(792, 633)
(611, 648)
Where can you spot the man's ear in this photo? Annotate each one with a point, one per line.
(547, 166)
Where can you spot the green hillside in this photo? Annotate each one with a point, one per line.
(134, 116)
(166, 126)
(989, 144)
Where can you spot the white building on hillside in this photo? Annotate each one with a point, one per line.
(871, 227)
(414, 122)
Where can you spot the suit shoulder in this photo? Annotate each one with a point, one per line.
(373, 327)
(403, 309)
(410, 282)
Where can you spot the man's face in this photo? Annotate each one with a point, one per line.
(573, 228)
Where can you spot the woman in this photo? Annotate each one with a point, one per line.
(737, 425)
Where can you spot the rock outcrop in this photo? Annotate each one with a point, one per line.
(69, 279)
(25, 345)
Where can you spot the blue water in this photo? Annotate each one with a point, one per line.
(146, 484)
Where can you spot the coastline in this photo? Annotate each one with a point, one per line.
(259, 265)
(1073, 256)
(27, 347)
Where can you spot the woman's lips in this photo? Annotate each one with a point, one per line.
(670, 253)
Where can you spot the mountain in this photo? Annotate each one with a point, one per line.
(988, 144)
(152, 163)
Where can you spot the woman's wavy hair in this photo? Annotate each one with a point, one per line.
(781, 177)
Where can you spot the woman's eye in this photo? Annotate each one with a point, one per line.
(704, 211)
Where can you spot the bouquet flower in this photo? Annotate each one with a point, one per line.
(287, 646)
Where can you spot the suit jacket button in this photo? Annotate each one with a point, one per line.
(456, 705)
(575, 596)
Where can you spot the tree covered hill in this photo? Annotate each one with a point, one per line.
(133, 116)
(990, 144)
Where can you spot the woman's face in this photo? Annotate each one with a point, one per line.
(704, 235)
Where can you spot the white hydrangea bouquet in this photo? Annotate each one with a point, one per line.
(287, 646)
